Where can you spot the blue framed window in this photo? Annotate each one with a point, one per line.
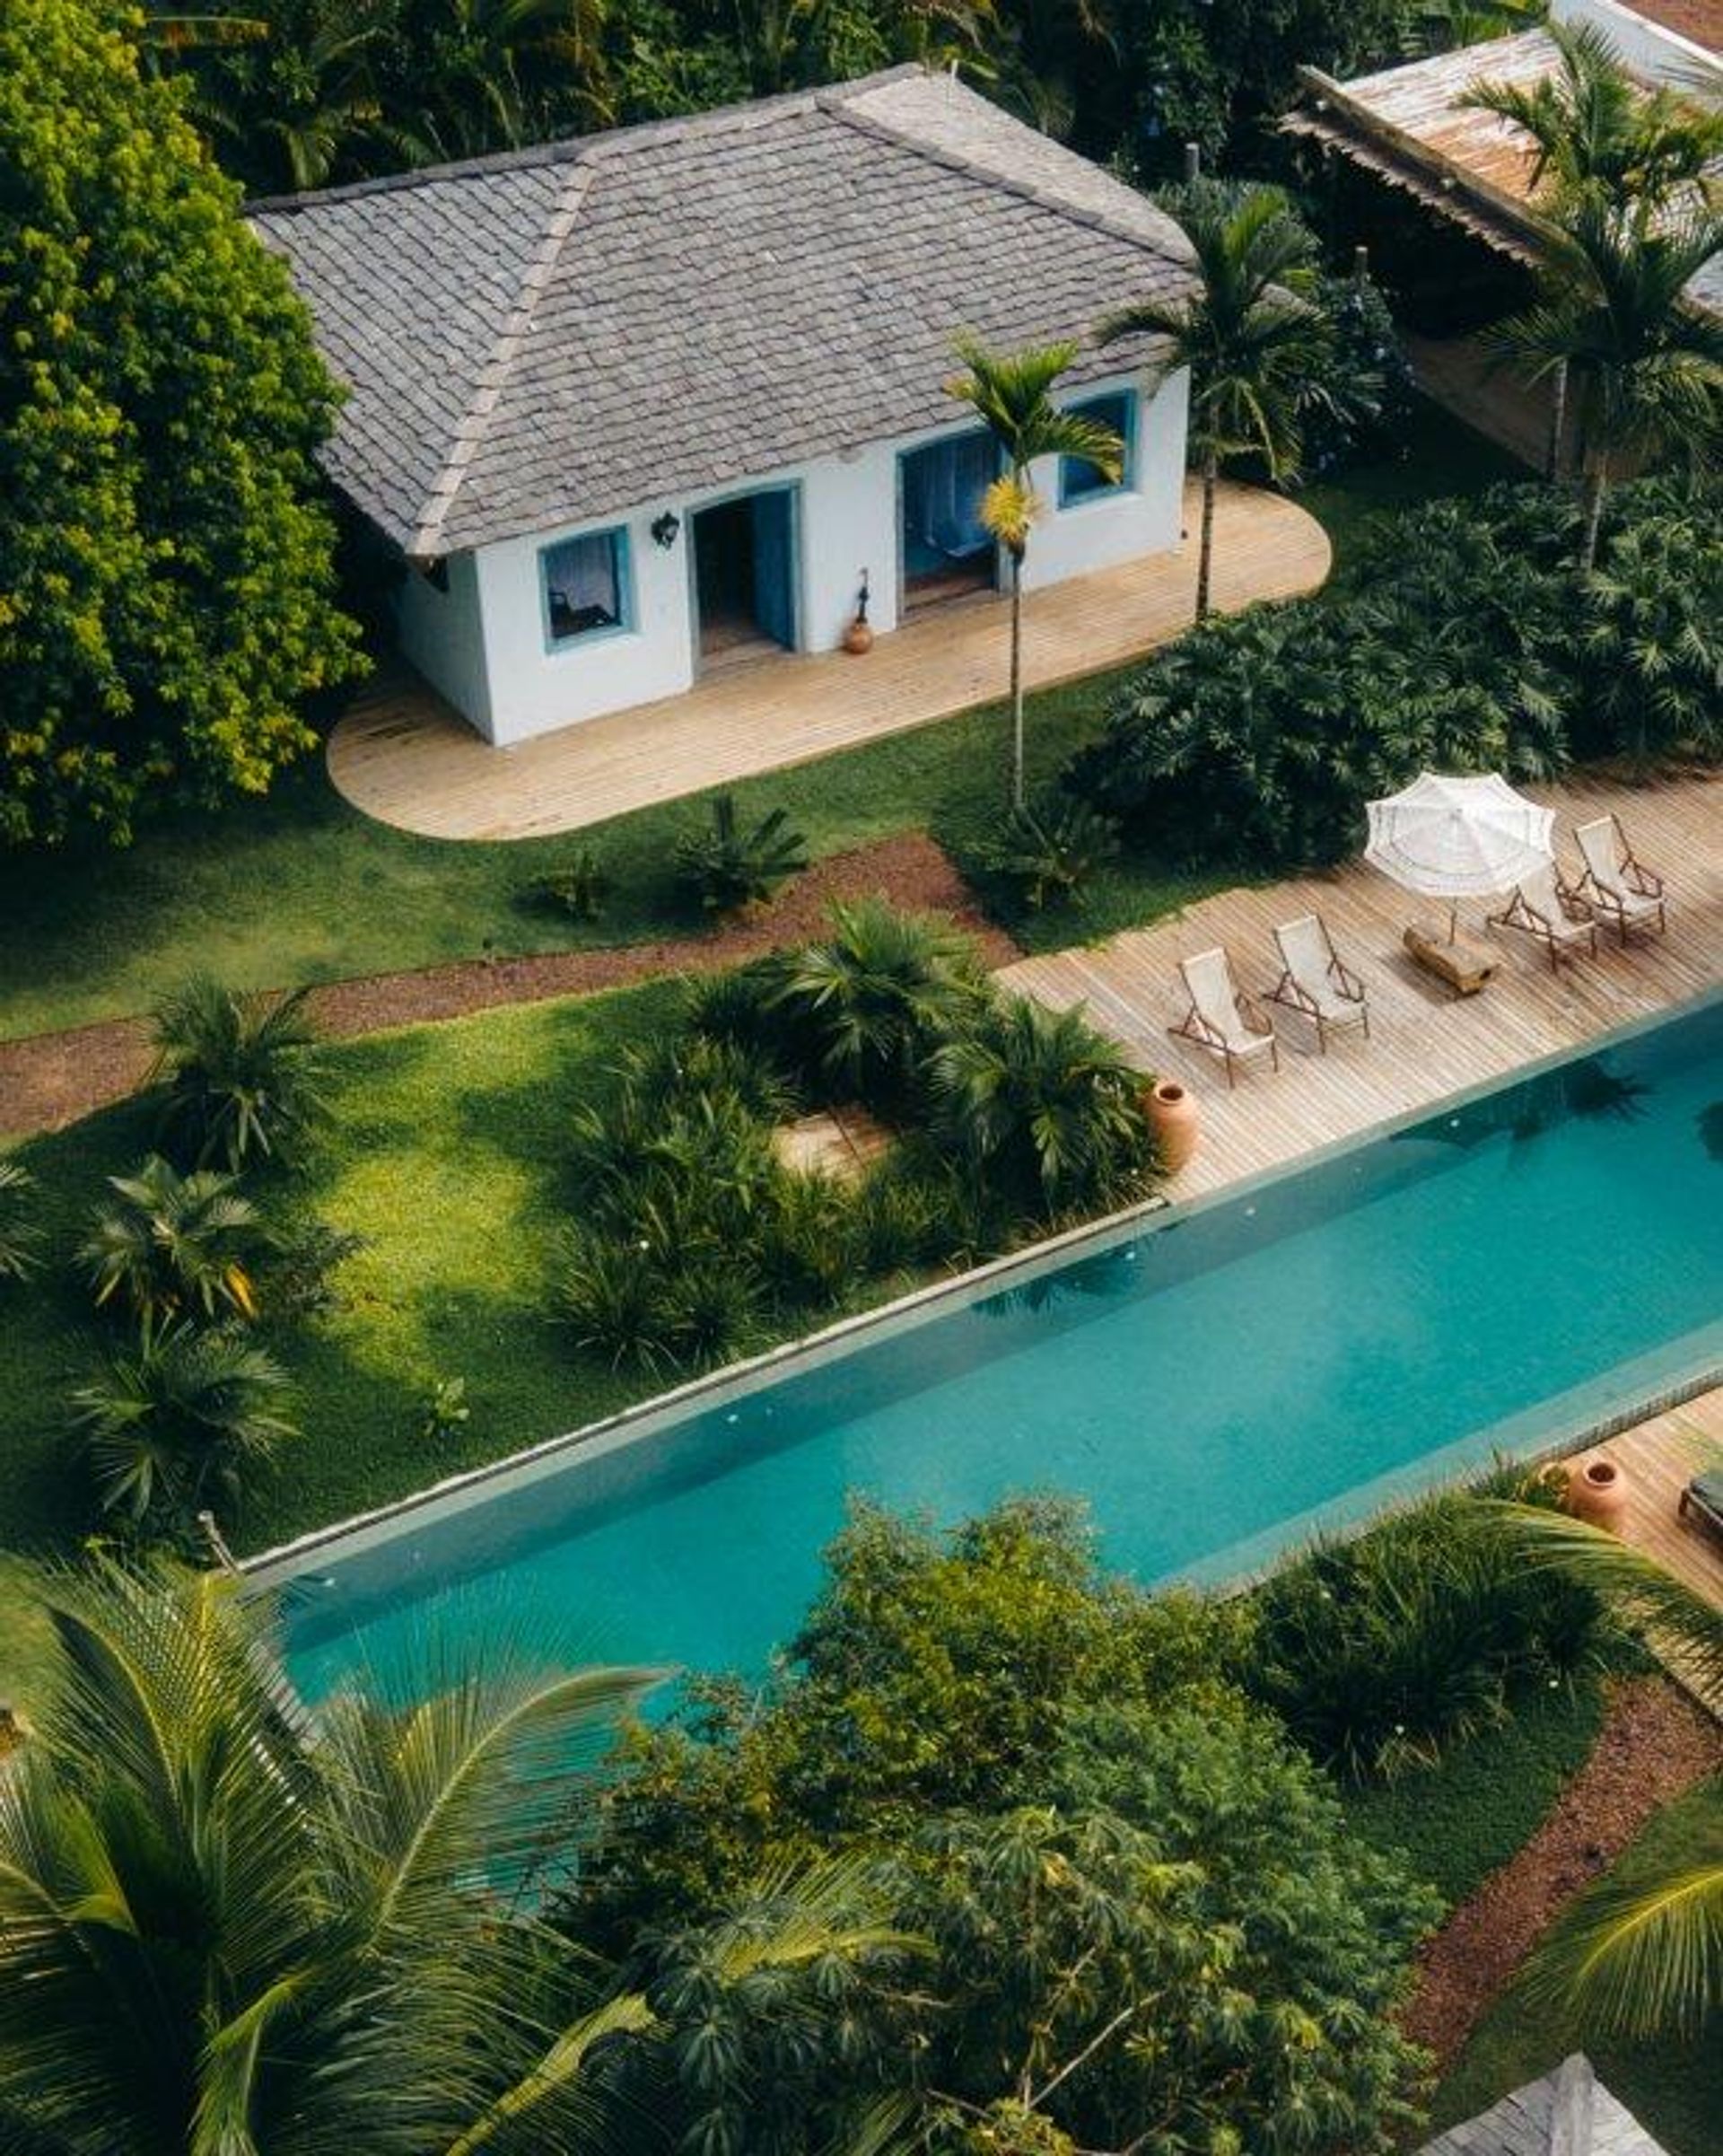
(1082, 481)
(586, 587)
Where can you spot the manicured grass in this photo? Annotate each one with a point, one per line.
(301, 887)
(1455, 1822)
(1673, 2085)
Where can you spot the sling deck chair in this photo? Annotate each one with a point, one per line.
(1623, 890)
(1220, 1018)
(1545, 907)
(1315, 981)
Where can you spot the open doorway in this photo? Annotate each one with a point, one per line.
(744, 578)
(946, 551)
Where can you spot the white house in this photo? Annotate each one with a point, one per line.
(639, 404)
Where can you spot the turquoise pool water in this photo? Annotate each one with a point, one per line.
(1215, 1383)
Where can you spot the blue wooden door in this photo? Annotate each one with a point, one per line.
(775, 565)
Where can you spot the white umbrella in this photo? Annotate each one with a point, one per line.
(1457, 838)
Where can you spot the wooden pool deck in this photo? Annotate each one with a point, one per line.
(1658, 1459)
(403, 756)
(1425, 1044)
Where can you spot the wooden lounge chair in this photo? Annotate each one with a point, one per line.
(1315, 981)
(1622, 890)
(1550, 909)
(1702, 1501)
(1220, 1018)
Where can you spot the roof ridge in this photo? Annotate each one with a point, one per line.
(487, 390)
(579, 149)
(1010, 183)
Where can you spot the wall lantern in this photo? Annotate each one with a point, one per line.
(665, 529)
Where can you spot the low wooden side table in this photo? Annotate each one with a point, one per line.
(1463, 965)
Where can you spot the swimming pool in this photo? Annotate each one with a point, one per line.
(1217, 1380)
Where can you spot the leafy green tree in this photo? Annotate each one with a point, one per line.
(169, 1243)
(240, 1072)
(178, 1422)
(1611, 316)
(166, 602)
(1041, 1101)
(1255, 343)
(1650, 636)
(1011, 394)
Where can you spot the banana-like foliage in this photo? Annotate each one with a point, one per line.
(1646, 1952)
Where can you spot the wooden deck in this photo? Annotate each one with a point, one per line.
(402, 755)
(1424, 1045)
(1658, 1459)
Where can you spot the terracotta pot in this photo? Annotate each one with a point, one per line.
(1597, 1493)
(858, 638)
(1173, 1111)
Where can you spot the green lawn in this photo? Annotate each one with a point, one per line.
(301, 888)
(1673, 2085)
(1455, 1822)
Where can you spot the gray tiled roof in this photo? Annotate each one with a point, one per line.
(554, 336)
(1569, 2113)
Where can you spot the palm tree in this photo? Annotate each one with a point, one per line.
(174, 1240)
(1611, 313)
(229, 1926)
(1038, 1097)
(179, 1417)
(230, 1923)
(19, 1234)
(1595, 131)
(1248, 331)
(1012, 393)
(1648, 1955)
(876, 990)
(239, 1074)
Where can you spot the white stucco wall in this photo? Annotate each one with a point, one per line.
(442, 632)
(1664, 54)
(484, 644)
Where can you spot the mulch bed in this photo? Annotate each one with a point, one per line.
(1655, 1744)
(53, 1078)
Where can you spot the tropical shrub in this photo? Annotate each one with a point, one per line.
(728, 867)
(239, 1074)
(1650, 636)
(1339, 425)
(1039, 1101)
(167, 1245)
(1049, 849)
(301, 1265)
(579, 887)
(170, 588)
(177, 1421)
(867, 1002)
(19, 1234)
(1378, 1652)
(447, 1411)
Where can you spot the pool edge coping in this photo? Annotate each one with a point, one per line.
(283, 1562)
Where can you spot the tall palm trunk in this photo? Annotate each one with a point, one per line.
(1205, 545)
(1558, 421)
(1591, 496)
(1017, 678)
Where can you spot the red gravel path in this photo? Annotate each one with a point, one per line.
(54, 1078)
(1654, 1745)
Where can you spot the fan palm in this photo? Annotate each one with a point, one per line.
(876, 990)
(180, 1417)
(1649, 1954)
(172, 1241)
(1611, 316)
(240, 1072)
(1247, 329)
(226, 1925)
(1011, 394)
(19, 1234)
(1038, 1098)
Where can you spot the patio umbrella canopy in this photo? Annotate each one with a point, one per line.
(1457, 838)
